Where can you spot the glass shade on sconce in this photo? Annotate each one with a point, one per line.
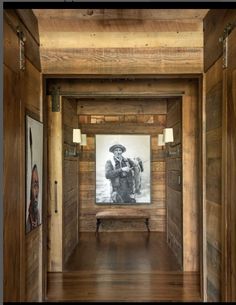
(160, 140)
(168, 135)
(76, 136)
(83, 140)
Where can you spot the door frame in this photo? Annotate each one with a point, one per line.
(183, 84)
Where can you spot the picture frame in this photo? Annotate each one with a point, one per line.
(123, 169)
(34, 173)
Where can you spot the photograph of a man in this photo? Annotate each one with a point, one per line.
(119, 171)
(123, 169)
(33, 219)
(34, 173)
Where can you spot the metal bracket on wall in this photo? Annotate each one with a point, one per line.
(55, 99)
(224, 40)
(22, 40)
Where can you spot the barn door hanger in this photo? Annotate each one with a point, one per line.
(22, 40)
(224, 40)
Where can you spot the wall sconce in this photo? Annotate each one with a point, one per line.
(168, 135)
(77, 136)
(77, 140)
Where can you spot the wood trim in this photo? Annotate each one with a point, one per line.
(45, 198)
(22, 152)
(224, 278)
(202, 188)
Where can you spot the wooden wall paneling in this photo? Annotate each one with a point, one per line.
(213, 273)
(228, 175)
(213, 211)
(120, 45)
(106, 15)
(145, 61)
(70, 180)
(202, 188)
(121, 106)
(12, 234)
(29, 19)
(141, 128)
(135, 86)
(131, 40)
(33, 258)
(190, 165)
(214, 24)
(55, 219)
(11, 46)
(174, 181)
(214, 95)
(25, 97)
(31, 96)
(32, 90)
(33, 274)
(118, 25)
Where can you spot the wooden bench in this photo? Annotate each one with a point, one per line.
(123, 214)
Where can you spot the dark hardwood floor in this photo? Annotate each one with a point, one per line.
(124, 266)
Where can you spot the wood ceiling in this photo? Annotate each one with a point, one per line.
(120, 40)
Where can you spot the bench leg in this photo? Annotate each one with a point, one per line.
(147, 224)
(98, 224)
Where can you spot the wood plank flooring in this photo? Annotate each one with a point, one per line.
(123, 267)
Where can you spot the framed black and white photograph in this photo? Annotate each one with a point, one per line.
(123, 169)
(34, 173)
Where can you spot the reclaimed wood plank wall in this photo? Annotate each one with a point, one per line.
(214, 25)
(22, 95)
(70, 180)
(174, 200)
(214, 97)
(114, 41)
(102, 119)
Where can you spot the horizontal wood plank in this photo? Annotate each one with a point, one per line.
(122, 60)
(122, 107)
(32, 89)
(124, 14)
(106, 40)
(132, 128)
(54, 23)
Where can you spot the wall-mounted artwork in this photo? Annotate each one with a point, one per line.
(34, 173)
(123, 169)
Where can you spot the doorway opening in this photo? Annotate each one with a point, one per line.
(96, 112)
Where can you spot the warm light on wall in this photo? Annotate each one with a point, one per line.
(160, 141)
(83, 140)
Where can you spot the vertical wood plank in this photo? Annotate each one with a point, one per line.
(55, 219)
(190, 182)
